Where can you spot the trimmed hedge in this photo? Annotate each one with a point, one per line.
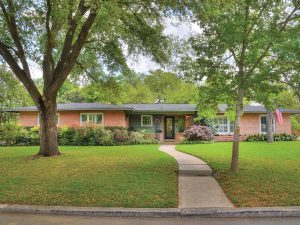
(277, 137)
(12, 134)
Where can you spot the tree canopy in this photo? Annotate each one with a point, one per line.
(65, 36)
(234, 52)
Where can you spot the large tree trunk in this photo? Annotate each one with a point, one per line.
(236, 134)
(270, 137)
(48, 129)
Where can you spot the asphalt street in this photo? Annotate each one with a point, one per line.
(33, 219)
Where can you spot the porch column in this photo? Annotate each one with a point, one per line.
(187, 121)
(162, 136)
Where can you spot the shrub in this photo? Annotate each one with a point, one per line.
(9, 133)
(66, 135)
(84, 136)
(139, 137)
(103, 136)
(120, 136)
(277, 137)
(198, 133)
(12, 134)
(28, 136)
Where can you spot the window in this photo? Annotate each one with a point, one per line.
(146, 120)
(91, 118)
(57, 119)
(181, 124)
(263, 124)
(222, 125)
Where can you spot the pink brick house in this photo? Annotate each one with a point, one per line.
(164, 121)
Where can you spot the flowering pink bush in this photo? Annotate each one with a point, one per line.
(198, 133)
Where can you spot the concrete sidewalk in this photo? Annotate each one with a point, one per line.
(196, 186)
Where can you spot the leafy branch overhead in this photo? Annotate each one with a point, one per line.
(54, 33)
(234, 53)
(76, 35)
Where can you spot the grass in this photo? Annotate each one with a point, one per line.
(119, 176)
(269, 174)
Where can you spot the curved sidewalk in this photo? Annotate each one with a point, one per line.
(197, 188)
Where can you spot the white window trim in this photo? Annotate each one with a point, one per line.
(228, 125)
(58, 119)
(142, 125)
(100, 113)
(274, 123)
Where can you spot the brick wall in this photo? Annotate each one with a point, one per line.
(286, 126)
(72, 118)
(28, 119)
(115, 119)
(250, 124)
(69, 118)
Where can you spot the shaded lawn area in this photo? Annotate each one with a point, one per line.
(269, 174)
(118, 176)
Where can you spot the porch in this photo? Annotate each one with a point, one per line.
(167, 128)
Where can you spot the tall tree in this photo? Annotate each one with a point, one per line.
(168, 87)
(67, 35)
(237, 38)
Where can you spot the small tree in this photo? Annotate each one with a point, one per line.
(237, 38)
(75, 35)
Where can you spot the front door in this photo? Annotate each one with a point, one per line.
(169, 127)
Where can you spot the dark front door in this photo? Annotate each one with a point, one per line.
(169, 127)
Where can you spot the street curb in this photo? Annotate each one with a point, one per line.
(155, 212)
(92, 211)
(242, 212)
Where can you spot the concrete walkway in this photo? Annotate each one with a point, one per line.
(196, 185)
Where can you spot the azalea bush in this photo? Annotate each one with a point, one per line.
(198, 133)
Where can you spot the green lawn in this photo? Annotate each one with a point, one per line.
(269, 174)
(119, 176)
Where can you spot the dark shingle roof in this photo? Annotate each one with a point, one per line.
(76, 106)
(145, 108)
(256, 109)
(126, 107)
(163, 107)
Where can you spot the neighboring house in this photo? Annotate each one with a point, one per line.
(163, 121)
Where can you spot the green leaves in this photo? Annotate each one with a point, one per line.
(12, 93)
(238, 48)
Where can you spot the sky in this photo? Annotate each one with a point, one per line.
(142, 64)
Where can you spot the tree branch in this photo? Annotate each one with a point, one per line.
(245, 40)
(263, 55)
(48, 62)
(26, 81)
(72, 23)
(11, 22)
(88, 73)
(258, 16)
(62, 71)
